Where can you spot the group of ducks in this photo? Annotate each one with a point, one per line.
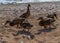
(49, 20)
(21, 21)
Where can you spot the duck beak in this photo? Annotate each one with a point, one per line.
(38, 19)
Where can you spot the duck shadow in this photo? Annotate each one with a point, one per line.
(44, 30)
(20, 32)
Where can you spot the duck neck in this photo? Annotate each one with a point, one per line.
(7, 22)
(28, 10)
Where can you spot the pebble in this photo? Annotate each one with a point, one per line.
(21, 42)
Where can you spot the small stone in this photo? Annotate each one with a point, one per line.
(21, 42)
(28, 37)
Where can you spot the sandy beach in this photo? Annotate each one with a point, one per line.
(37, 10)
